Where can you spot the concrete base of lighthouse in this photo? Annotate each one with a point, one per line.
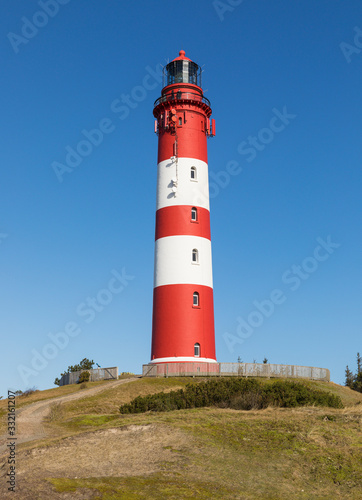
(210, 368)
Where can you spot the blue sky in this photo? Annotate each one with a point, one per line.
(64, 237)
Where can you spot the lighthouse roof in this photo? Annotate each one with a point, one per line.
(181, 57)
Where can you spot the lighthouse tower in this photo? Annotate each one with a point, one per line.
(183, 311)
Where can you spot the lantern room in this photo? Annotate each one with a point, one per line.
(182, 70)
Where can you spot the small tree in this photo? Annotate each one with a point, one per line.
(85, 364)
(265, 361)
(358, 382)
(358, 377)
(354, 381)
(359, 364)
(349, 378)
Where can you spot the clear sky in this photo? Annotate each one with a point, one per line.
(77, 229)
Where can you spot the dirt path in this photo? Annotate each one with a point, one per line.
(128, 450)
(29, 419)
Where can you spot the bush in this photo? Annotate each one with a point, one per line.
(125, 375)
(27, 393)
(84, 377)
(288, 394)
(56, 412)
(250, 400)
(237, 393)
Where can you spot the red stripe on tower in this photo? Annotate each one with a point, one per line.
(182, 219)
(183, 311)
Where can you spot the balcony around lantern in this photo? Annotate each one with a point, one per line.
(178, 95)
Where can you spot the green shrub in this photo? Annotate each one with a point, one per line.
(237, 393)
(249, 400)
(84, 377)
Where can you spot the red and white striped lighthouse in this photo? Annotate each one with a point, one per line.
(183, 310)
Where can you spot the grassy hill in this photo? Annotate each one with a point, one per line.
(92, 451)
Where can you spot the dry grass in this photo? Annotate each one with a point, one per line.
(56, 413)
(50, 393)
(349, 397)
(109, 401)
(302, 453)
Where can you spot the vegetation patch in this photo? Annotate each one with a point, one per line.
(211, 452)
(83, 377)
(155, 486)
(126, 375)
(235, 393)
(268, 454)
(93, 420)
(56, 412)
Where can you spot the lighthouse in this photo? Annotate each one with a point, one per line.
(183, 309)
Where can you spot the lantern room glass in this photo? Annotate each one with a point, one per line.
(182, 71)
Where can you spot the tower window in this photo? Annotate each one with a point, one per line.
(180, 122)
(193, 173)
(197, 350)
(195, 256)
(196, 299)
(194, 214)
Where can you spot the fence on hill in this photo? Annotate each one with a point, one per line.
(95, 374)
(199, 369)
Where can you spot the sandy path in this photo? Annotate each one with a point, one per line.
(29, 419)
(128, 450)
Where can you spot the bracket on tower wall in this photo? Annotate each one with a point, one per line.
(210, 127)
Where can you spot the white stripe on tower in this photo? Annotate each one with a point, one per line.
(174, 264)
(188, 191)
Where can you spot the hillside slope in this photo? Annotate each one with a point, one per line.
(89, 450)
